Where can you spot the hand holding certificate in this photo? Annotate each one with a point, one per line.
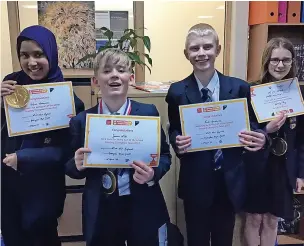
(118, 141)
(215, 125)
(271, 99)
(39, 107)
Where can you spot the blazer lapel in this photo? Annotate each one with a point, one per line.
(93, 110)
(135, 107)
(225, 87)
(192, 92)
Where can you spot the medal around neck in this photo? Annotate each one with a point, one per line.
(109, 182)
(279, 146)
(18, 99)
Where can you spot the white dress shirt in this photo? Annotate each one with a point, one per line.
(124, 179)
(213, 87)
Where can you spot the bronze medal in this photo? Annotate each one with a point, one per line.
(18, 99)
(109, 182)
(279, 146)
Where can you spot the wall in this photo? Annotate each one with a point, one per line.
(167, 28)
(167, 24)
(6, 56)
(239, 39)
(28, 13)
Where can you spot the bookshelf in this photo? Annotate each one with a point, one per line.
(260, 34)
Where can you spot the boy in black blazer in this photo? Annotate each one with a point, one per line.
(136, 212)
(212, 188)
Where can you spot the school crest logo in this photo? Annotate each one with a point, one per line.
(47, 140)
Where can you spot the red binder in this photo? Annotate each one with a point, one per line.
(263, 12)
(293, 11)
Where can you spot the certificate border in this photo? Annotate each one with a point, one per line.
(244, 100)
(87, 133)
(10, 134)
(276, 82)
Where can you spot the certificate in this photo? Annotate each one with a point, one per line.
(269, 100)
(214, 125)
(118, 140)
(50, 107)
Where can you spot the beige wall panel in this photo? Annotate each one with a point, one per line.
(167, 23)
(6, 55)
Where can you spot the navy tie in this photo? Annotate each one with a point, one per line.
(217, 153)
(206, 97)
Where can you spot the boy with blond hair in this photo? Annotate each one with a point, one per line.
(211, 183)
(136, 212)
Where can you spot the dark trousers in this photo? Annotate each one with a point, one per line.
(114, 224)
(214, 224)
(14, 235)
(43, 233)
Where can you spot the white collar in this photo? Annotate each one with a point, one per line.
(121, 111)
(212, 83)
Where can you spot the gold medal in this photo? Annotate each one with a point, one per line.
(109, 182)
(19, 98)
(279, 146)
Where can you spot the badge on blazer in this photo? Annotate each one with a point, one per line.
(292, 122)
(47, 140)
(108, 182)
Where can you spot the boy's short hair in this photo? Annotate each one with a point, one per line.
(112, 56)
(202, 29)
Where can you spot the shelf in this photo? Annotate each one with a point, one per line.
(290, 239)
(279, 24)
(77, 73)
(285, 24)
